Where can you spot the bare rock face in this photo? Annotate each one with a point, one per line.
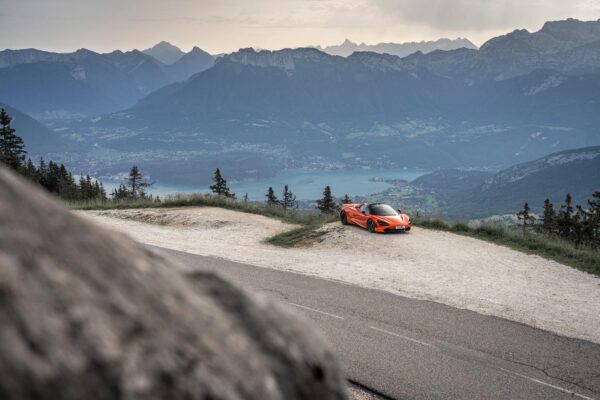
(89, 314)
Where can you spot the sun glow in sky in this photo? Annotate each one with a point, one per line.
(227, 25)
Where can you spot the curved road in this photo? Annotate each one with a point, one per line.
(413, 349)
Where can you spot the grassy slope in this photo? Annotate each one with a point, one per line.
(202, 200)
(548, 247)
(308, 223)
(556, 249)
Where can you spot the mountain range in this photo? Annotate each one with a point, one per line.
(398, 49)
(313, 109)
(568, 46)
(58, 85)
(519, 97)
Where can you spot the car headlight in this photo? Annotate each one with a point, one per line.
(383, 223)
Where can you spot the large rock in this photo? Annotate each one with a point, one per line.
(87, 313)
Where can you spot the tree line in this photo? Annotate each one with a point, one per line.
(288, 202)
(575, 223)
(56, 179)
(52, 176)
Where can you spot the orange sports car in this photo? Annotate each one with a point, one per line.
(375, 217)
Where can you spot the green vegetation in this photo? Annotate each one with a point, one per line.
(533, 242)
(288, 200)
(220, 187)
(53, 177)
(134, 187)
(309, 223)
(578, 225)
(12, 148)
(305, 233)
(272, 199)
(199, 200)
(327, 204)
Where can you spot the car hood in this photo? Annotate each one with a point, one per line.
(395, 220)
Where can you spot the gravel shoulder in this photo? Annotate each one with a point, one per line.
(424, 264)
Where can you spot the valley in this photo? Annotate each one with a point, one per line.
(256, 113)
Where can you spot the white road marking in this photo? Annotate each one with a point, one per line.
(317, 311)
(404, 337)
(548, 384)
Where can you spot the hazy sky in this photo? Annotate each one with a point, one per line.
(226, 25)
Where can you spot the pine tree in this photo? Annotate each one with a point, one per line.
(289, 200)
(549, 218)
(121, 193)
(31, 171)
(271, 198)
(220, 187)
(594, 222)
(67, 188)
(526, 217)
(581, 229)
(43, 173)
(565, 218)
(53, 177)
(346, 200)
(12, 148)
(327, 205)
(136, 183)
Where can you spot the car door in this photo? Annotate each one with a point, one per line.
(363, 215)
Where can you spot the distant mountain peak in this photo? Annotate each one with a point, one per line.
(84, 51)
(197, 50)
(380, 62)
(398, 49)
(285, 59)
(165, 52)
(164, 43)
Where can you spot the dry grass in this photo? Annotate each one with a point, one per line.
(553, 248)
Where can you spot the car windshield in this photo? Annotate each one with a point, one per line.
(382, 210)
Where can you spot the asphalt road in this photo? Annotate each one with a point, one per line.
(414, 349)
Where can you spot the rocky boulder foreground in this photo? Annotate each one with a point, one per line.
(86, 313)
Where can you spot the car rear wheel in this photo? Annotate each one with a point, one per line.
(371, 226)
(344, 218)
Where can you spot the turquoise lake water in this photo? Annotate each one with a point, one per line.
(305, 184)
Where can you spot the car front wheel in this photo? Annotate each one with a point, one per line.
(371, 226)
(344, 218)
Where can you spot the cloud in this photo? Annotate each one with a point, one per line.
(226, 25)
(456, 15)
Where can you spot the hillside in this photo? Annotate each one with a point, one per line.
(39, 140)
(468, 194)
(572, 171)
(58, 85)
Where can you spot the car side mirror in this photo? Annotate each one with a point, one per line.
(399, 212)
(364, 212)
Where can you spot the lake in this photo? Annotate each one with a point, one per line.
(305, 184)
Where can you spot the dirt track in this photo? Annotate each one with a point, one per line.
(424, 264)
